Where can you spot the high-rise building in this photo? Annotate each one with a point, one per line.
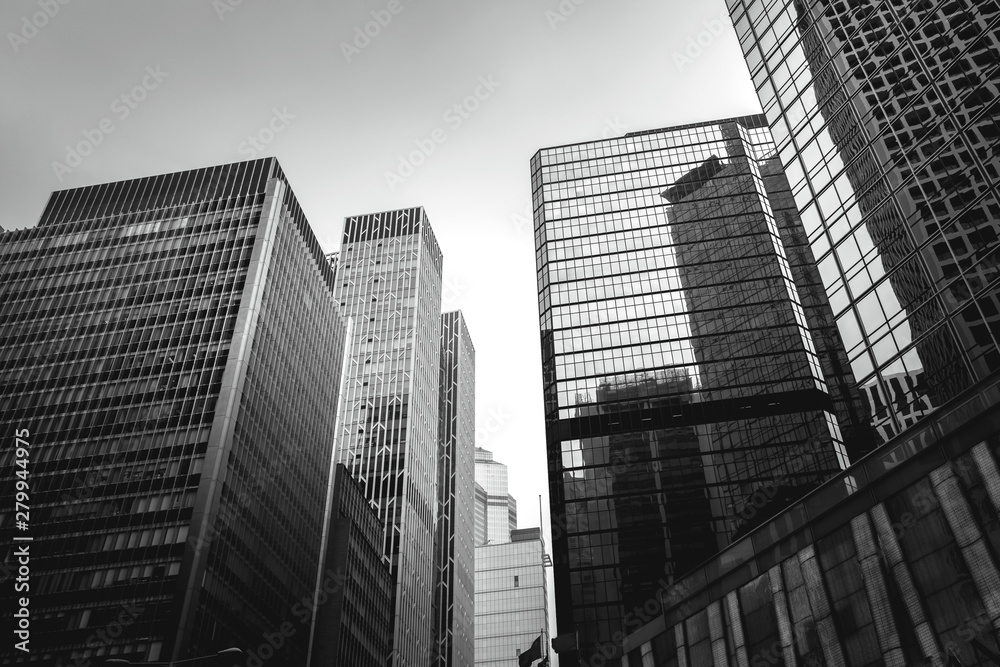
(173, 346)
(501, 508)
(694, 382)
(389, 283)
(885, 121)
(354, 591)
(511, 599)
(454, 546)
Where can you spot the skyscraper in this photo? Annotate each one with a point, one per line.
(690, 389)
(885, 121)
(454, 546)
(500, 515)
(173, 345)
(389, 283)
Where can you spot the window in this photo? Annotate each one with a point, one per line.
(515, 581)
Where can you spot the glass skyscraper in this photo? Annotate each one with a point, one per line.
(885, 119)
(694, 382)
(174, 347)
(389, 283)
(454, 546)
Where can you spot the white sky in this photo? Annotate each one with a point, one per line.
(600, 70)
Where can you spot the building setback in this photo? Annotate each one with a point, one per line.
(454, 546)
(690, 390)
(173, 345)
(389, 283)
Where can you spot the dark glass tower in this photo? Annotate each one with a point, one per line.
(389, 283)
(694, 383)
(173, 345)
(454, 548)
(885, 118)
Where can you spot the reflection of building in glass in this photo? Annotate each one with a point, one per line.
(885, 120)
(898, 402)
(511, 600)
(501, 508)
(893, 562)
(173, 346)
(354, 609)
(683, 380)
(454, 546)
(389, 283)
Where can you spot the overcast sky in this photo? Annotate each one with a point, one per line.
(341, 109)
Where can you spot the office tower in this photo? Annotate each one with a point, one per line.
(354, 609)
(454, 546)
(885, 121)
(173, 345)
(501, 508)
(511, 600)
(389, 283)
(691, 390)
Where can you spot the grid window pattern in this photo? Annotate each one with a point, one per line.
(389, 282)
(694, 380)
(511, 601)
(884, 116)
(133, 316)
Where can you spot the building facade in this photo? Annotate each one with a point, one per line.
(500, 509)
(354, 609)
(511, 599)
(169, 343)
(885, 122)
(894, 562)
(694, 381)
(389, 283)
(454, 546)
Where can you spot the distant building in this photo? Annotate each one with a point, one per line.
(454, 546)
(173, 345)
(511, 599)
(353, 624)
(501, 508)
